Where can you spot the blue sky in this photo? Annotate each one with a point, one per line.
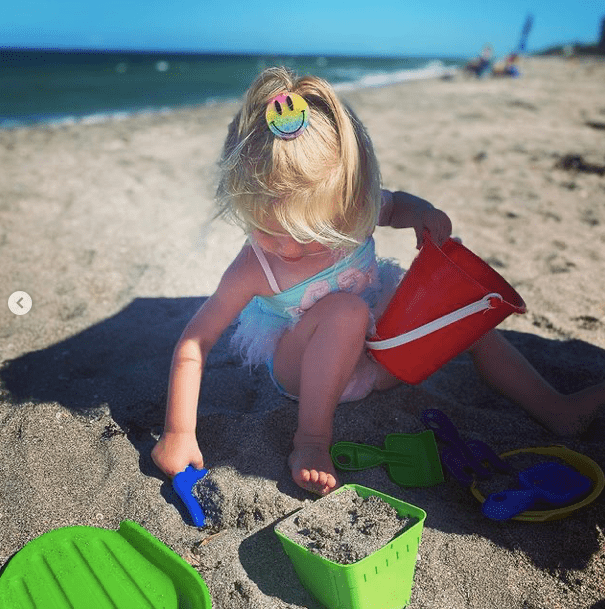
(391, 27)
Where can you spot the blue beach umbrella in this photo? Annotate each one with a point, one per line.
(529, 21)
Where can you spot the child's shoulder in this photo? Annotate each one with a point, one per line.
(246, 273)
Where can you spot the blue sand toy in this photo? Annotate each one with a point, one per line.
(183, 484)
(551, 482)
(463, 459)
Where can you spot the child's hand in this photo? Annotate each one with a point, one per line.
(175, 451)
(436, 222)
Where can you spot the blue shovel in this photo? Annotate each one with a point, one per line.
(183, 484)
(551, 482)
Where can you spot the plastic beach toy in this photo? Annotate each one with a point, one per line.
(581, 463)
(183, 484)
(550, 482)
(92, 568)
(464, 460)
(445, 302)
(411, 459)
(382, 580)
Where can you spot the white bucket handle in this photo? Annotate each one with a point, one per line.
(437, 324)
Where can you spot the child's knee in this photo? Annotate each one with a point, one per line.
(347, 310)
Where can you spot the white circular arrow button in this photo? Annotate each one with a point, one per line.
(20, 303)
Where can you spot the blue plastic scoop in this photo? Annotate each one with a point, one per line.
(463, 460)
(552, 482)
(183, 484)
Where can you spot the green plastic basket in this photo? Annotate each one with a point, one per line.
(91, 568)
(382, 580)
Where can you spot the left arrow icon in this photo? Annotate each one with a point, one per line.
(20, 303)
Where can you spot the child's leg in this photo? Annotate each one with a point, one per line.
(506, 370)
(315, 361)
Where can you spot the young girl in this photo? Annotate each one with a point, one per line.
(300, 176)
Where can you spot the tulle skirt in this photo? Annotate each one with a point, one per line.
(260, 327)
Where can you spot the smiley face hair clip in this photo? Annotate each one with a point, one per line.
(287, 115)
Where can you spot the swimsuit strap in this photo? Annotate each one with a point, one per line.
(266, 268)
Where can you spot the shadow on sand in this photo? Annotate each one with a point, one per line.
(122, 363)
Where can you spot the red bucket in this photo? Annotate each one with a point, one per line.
(447, 300)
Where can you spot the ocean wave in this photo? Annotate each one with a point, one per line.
(85, 119)
(96, 118)
(434, 69)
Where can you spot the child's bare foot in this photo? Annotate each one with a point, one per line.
(574, 413)
(312, 467)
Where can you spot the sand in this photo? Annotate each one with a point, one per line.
(106, 227)
(344, 527)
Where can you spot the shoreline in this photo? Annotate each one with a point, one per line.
(362, 77)
(434, 69)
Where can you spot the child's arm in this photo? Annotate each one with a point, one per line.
(178, 447)
(403, 210)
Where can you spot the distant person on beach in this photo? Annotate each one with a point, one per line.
(481, 65)
(299, 175)
(508, 68)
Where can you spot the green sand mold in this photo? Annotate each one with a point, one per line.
(382, 580)
(84, 567)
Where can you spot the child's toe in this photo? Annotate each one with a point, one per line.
(319, 479)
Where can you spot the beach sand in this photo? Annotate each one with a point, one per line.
(106, 227)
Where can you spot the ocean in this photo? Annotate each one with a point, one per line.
(67, 86)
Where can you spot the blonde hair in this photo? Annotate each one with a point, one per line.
(322, 186)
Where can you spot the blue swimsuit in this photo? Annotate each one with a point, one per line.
(265, 318)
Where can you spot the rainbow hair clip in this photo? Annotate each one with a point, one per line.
(287, 115)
